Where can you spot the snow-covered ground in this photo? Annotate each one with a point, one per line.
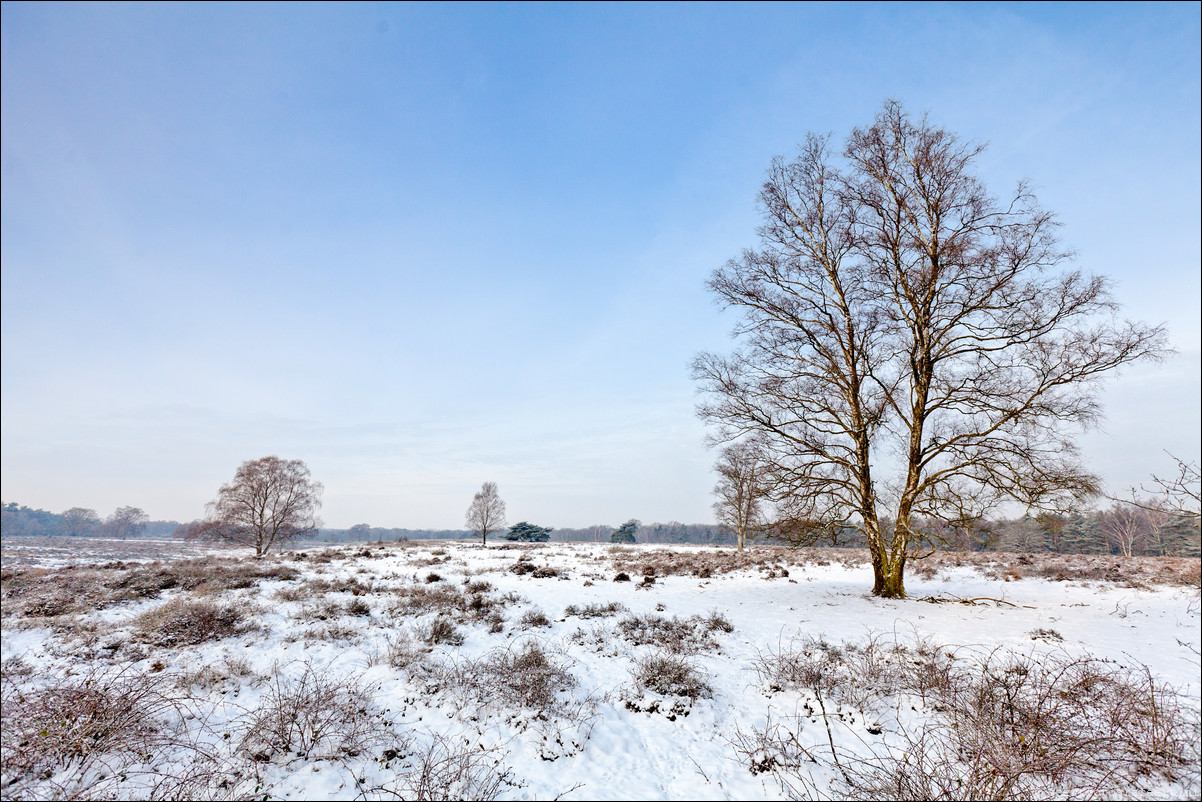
(354, 615)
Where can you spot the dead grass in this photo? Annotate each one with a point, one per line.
(594, 610)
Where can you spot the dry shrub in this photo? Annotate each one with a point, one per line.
(330, 632)
(358, 607)
(594, 610)
(410, 656)
(678, 635)
(1005, 726)
(529, 684)
(670, 675)
(42, 593)
(450, 602)
(87, 737)
(212, 574)
(529, 675)
(854, 673)
(534, 618)
(1053, 727)
(446, 771)
(442, 630)
(229, 672)
(705, 563)
(323, 610)
(315, 715)
(1126, 571)
(187, 622)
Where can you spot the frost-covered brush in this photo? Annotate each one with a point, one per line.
(108, 732)
(310, 713)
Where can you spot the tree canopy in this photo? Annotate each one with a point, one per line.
(528, 532)
(898, 320)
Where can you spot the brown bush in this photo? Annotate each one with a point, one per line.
(87, 736)
(1004, 726)
(186, 622)
(670, 675)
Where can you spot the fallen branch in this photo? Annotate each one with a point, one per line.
(970, 602)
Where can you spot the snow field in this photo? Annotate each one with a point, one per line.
(602, 736)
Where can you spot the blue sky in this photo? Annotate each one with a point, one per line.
(425, 246)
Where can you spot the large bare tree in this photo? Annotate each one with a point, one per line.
(741, 490)
(898, 320)
(486, 514)
(270, 501)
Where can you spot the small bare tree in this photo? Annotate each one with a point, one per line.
(486, 514)
(126, 522)
(898, 319)
(270, 501)
(741, 490)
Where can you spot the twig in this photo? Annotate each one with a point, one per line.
(831, 738)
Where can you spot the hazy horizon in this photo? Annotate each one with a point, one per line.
(421, 247)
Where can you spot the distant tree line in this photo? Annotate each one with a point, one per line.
(1122, 529)
(125, 522)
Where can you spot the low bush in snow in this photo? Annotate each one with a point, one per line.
(313, 714)
(998, 726)
(187, 622)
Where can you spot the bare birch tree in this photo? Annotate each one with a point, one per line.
(270, 501)
(741, 490)
(899, 320)
(486, 514)
(1126, 526)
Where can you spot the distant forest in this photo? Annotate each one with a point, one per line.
(1113, 531)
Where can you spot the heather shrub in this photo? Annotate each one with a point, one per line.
(670, 675)
(187, 622)
(594, 610)
(999, 726)
(534, 618)
(677, 635)
(442, 630)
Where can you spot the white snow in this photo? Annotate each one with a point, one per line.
(622, 752)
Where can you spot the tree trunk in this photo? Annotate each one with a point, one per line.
(889, 579)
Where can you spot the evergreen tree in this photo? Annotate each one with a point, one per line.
(528, 532)
(625, 532)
